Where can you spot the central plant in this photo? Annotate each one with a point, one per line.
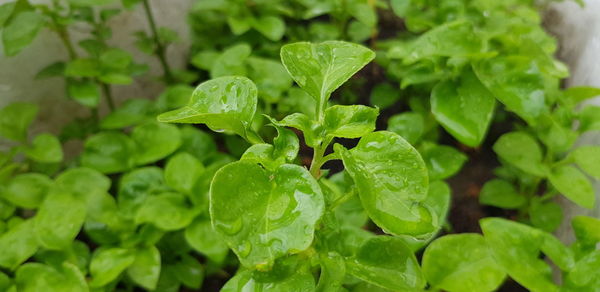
(280, 218)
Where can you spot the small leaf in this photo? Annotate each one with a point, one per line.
(462, 262)
(108, 152)
(231, 62)
(350, 121)
(182, 172)
(85, 92)
(410, 126)
(53, 70)
(387, 262)
(82, 68)
(15, 118)
(26, 190)
(546, 216)
(167, 211)
(21, 31)
(465, 109)
(17, 244)
(588, 158)
(282, 209)
(384, 95)
(136, 186)
(301, 281)
(321, 68)
(270, 77)
(442, 161)
(203, 238)
(392, 179)
(313, 133)
(145, 269)
(33, 277)
(45, 148)
(197, 143)
(223, 104)
(107, 264)
(190, 272)
(59, 219)
(155, 141)
(130, 113)
(6, 11)
(522, 151)
(502, 194)
(587, 229)
(286, 144)
(574, 185)
(333, 272)
(273, 27)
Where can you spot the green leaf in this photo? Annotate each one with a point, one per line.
(107, 264)
(190, 272)
(231, 62)
(410, 126)
(182, 172)
(313, 132)
(516, 248)
(116, 78)
(442, 161)
(286, 144)
(21, 31)
(82, 68)
(136, 186)
(301, 281)
(392, 179)
(53, 70)
(464, 109)
(82, 181)
(515, 81)
(154, 141)
(321, 68)
(502, 194)
(273, 27)
(26, 190)
(400, 7)
(588, 158)
(108, 152)
(59, 219)
(384, 95)
(33, 277)
(333, 272)
(270, 77)
(116, 59)
(580, 93)
(387, 262)
(587, 229)
(585, 272)
(203, 238)
(15, 118)
(145, 269)
(546, 216)
(45, 148)
(282, 209)
(168, 211)
(574, 185)
(131, 112)
(462, 262)
(17, 244)
(522, 151)
(197, 143)
(223, 104)
(84, 92)
(350, 121)
(6, 11)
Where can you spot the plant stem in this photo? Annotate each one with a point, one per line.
(108, 96)
(160, 48)
(318, 160)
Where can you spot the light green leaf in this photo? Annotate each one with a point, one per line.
(442, 161)
(522, 151)
(136, 186)
(17, 244)
(588, 158)
(586, 272)
(34, 277)
(202, 237)
(502, 194)
(410, 126)
(84, 92)
(587, 229)
(21, 31)
(574, 185)
(26, 190)
(286, 144)
(108, 152)
(107, 264)
(6, 11)
(223, 104)
(464, 109)
(392, 179)
(387, 262)
(59, 219)
(273, 27)
(270, 77)
(168, 211)
(350, 121)
(155, 141)
(131, 112)
(231, 62)
(321, 68)
(116, 59)
(145, 269)
(333, 272)
(183, 171)
(15, 118)
(301, 281)
(45, 148)
(313, 133)
(82, 68)
(282, 209)
(462, 262)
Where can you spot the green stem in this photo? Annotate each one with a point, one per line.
(342, 200)
(160, 48)
(108, 95)
(318, 158)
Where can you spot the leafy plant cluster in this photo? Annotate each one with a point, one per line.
(158, 204)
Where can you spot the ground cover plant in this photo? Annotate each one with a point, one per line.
(309, 146)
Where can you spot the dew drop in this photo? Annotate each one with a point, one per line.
(244, 249)
(230, 228)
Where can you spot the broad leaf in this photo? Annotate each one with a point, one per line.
(136, 186)
(33, 277)
(155, 141)
(273, 27)
(15, 118)
(502, 194)
(442, 161)
(410, 126)
(45, 148)
(392, 179)
(574, 185)
(464, 109)
(387, 262)
(17, 244)
(145, 269)
(350, 121)
(588, 158)
(223, 104)
(167, 211)
(522, 151)
(21, 31)
(182, 172)
(107, 264)
(202, 237)
(462, 262)
(333, 272)
(59, 219)
(546, 216)
(108, 152)
(281, 207)
(26, 190)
